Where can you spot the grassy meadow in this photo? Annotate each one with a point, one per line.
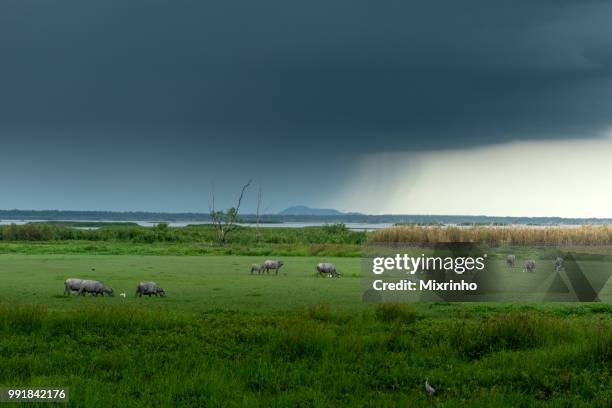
(223, 337)
(193, 283)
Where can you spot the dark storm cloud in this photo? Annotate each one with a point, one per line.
(100, 96)
(375, 75)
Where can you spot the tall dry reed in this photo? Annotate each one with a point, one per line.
(513, 235)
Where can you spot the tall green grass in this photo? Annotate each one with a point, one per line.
(317, 356)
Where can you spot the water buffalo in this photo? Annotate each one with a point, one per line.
(530, 265)
(329, 269)
(257, 268)
(149, 288)
(275, 265)
(72, 284)
(510, 261)
(95, 288)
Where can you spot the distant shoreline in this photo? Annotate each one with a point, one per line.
(156, 217)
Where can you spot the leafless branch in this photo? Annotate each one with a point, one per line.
(242, 194)
(225, 221)
(259, 197)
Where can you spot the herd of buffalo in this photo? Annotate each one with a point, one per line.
(530, 263)
(323, 268)
(95, 288)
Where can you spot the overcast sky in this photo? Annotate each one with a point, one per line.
(372, 106)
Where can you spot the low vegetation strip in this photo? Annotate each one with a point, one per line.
(334, 234)
(515, 235)
(204, 234)
(317, 356)
(177, 248)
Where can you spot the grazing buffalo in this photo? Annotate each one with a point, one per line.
(274, 265)
(95, 288)
(72, 284)
(328, 269)
(530, 265)
(559, 264)
(510, 261)
(257, 268)
(149, 288)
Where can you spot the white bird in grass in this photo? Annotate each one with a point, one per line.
(430, 390)
(122, 294)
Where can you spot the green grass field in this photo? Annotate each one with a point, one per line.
(193, 283)
(223, 337)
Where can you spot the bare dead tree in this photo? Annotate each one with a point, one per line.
(259, 197)
(225, 221)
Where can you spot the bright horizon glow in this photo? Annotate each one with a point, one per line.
(571, 179)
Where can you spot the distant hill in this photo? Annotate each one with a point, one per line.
(303, 210)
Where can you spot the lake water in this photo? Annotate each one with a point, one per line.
(355, 226)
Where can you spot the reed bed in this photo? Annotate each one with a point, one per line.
(513, 235)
